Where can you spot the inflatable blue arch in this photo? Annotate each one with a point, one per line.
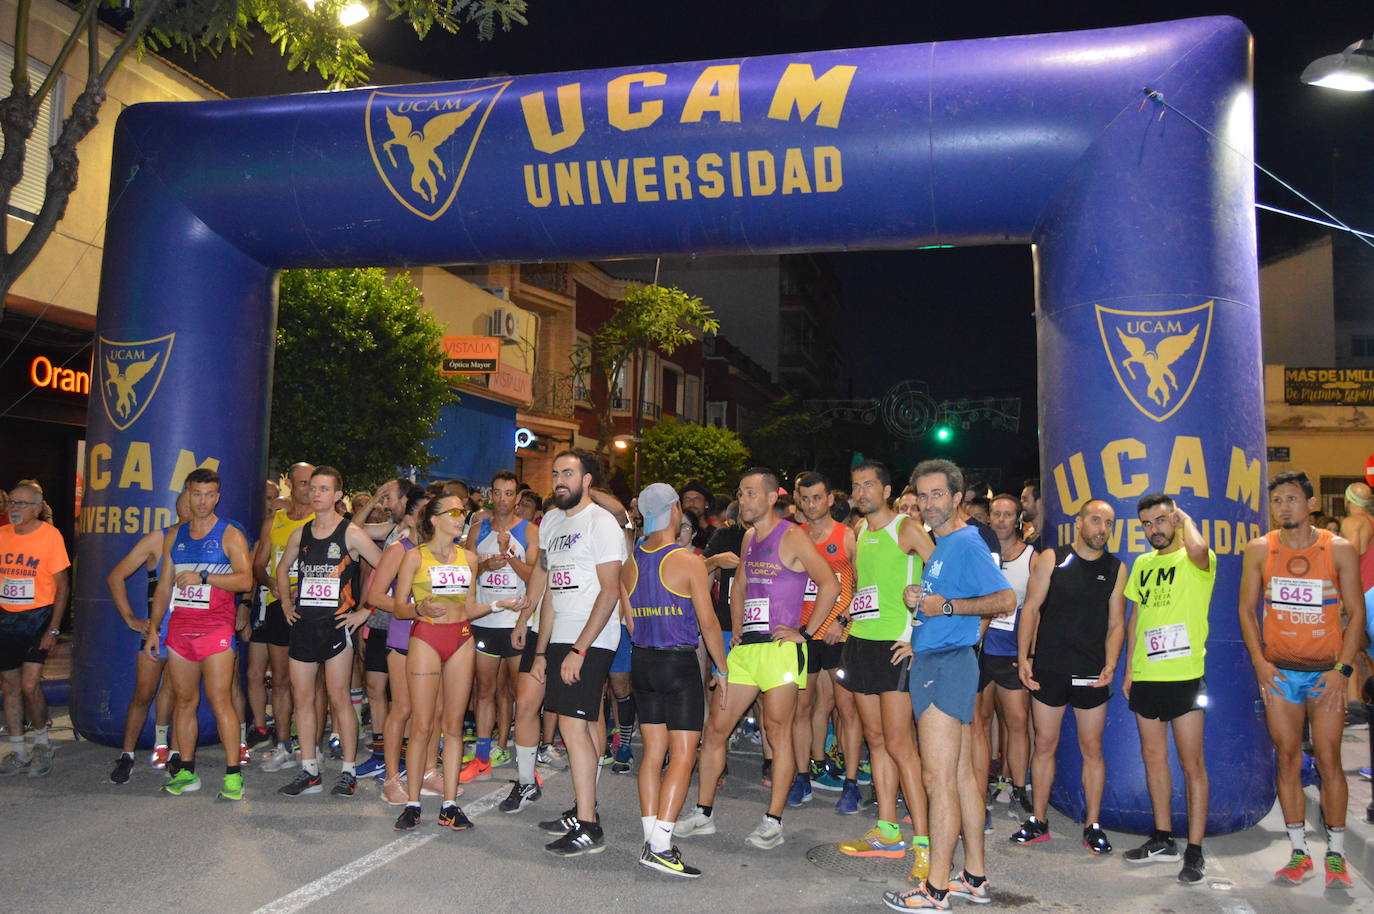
(1142, 224)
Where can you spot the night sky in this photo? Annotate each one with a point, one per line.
(981, 298)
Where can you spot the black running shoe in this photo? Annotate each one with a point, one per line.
(584, 838)
(520, 796)
(1032, 831)
(562, 825)
(669, 861)
(408, 819)
(1194, 867)
(1021, 795)
(1095, 840)
(454, 818)
(1155, 849)
(304, 782)
(124, 766)
(346, 785)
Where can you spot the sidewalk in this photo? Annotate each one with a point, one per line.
(1359, 834)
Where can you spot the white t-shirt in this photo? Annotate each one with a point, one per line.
(573, 546)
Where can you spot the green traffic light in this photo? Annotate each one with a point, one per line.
(943, 433)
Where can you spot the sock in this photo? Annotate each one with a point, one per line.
(1335, 840)
(1193, 849)
(973, 880)
(243, 734)
(648, 823)
(378, 746)
(1296, 835)
(706, 810)
(662, 838)
(449, 804)
(625, 713)
(588, 826)
(524, 763)
(599, 769)
(921, 840)
(189, 766)
(350, 768)
(805, 776)
(413, 805)
(40, 736)
(127, 755)
(356, 696)
(232, 769)
(18, 748)
(310, 766)
(933, 892)
(483, 749)
(851, 782)
(889, 831)
(1163, 835)
(777, 819)
(161, 734)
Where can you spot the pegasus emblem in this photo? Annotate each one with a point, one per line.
(1156, 361)
(421, 147)
(123, 382)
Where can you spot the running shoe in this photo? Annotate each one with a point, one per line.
(873, 845)
(623, 757)
(1194, 867)
(335, 747)
(233, 787)
(800, 791)
(1336, 875)
(1032, 831)
(280, 758)
(173, 764)
(1154, 849)
(124, 766)
(562, 825)
(1020, 801)
(433, 784)
(1095, 840)
(767, 772)
(920, 864)
(865, 773)
(41, 763)
(499, 757)
(303, 783)
(158, 759)
(451, 816)
(257, 735)
(370, 766)
(828, 777)
(669, 861)
(408, 819)
(920, 898)
(245, 757)
(551, 757)
(13, 764)
(469, 752)
(766, 835)
(346, 785)
(698, 823)
(1367, 774)
(394, 792)
(182, 782)
(1297, 870)
(584, 838)
(850, 800)
(475, 770)
(961, 886)
(999, 791)
(520, 796)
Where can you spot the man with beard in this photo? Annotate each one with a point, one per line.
(1067, 648)
(1032, 511)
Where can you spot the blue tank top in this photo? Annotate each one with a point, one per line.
(663, 617)
(204, 554)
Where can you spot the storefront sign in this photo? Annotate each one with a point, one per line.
(513, 383)
(43, 373)
(1328, 386)
(471, 354)
(1280, 455)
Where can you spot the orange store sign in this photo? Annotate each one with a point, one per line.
(43, 373)
(471, 354)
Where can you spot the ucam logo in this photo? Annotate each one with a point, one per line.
(130, 373)
(1156, 356)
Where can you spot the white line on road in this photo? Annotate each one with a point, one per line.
(330, 883)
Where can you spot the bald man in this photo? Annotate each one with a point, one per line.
(1358, 528)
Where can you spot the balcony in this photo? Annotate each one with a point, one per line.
(554, 395)
(646, 409)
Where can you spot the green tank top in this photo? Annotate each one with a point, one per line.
(884, 570)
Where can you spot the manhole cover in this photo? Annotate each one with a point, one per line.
(869, 869)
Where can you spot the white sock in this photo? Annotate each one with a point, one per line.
(310, 766)
(40, 736)
(648, 823)
(524, 763)
(350, 768)
(160, 739)
(599, 769)
(1296, 835)
(243, 734)
(1335, 840)
(662, 838)
(18, 748)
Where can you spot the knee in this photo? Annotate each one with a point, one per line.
(1044, 746)
(1090, 750)
(1194, 769)
(1328, 758)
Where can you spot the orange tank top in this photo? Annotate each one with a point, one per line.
(1302, 607)
(832, 550)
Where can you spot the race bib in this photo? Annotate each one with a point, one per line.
(17, 590)
(504, 581)
(563, 578)
(811, 590)
(1005, 623)
(291, 576)
(449, 580)
(320, 592)
(1166, 642)
(197, 596)
(865, 604)
(756, 615)
(1300, 599)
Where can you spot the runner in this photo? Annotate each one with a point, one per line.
(148, 679)
(323, 614)
(1302, 656)
(439, 576)
(769, 655)
(507, 549)
(890, 557)
(209, 560)
(1067, 650)
(34, 586)
(1171, 588)
(670, 603)
(999, 685)
(1032, 510)
(271, 635)
(822, 695)
(1358, 529)
(908, 504)
(961, 581)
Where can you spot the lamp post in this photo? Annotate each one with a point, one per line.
(1352, 70)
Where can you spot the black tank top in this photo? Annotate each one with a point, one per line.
(328, 575)
(1072, 637)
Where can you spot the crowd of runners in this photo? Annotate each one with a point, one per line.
(924, 639)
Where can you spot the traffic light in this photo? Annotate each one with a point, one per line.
(943, 433)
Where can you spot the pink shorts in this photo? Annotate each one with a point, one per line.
(199, 642)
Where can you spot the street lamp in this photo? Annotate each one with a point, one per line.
(350, 14)
(620, 443)
(1352, 70)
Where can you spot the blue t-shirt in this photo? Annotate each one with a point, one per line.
(960, 567)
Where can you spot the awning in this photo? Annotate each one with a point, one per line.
(473, 439)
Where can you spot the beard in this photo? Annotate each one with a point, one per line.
(568, 499)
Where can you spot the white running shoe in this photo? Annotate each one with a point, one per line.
(697, 823)
(280, 758)
(767, 835)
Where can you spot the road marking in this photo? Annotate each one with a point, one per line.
(330, 883)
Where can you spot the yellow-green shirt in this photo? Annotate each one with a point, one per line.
(1172, 598)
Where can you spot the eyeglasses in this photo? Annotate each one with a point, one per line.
(455, 512)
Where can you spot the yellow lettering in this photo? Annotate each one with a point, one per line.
(131, 516)
(761, 179)
(708, 170)
(829, 173)
(1187, 469)
(1137, 542)
(186, 462)
(537, 192)
(676, 184)
(736, 184)
(618, 101)
(536, 111)
(161, 518)
(1243, 480)
(1221, 542)
(568, 177)
(645, 179)
(111, 519)
(716, 89)
(794, 176)
(138, 467)
(99, 477)
(98, 520)
(1069, 502)
(593, 185)
(1114, 538)
(1112, 454)
(616, 180)
(799, 88)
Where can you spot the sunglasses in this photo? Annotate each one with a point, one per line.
(455, 512)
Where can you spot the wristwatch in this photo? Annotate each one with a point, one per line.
(1344, 669)
(947, 608)
(204, 576)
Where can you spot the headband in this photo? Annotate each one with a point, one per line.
(1354, 499)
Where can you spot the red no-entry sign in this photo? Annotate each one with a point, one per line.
(1369, 469)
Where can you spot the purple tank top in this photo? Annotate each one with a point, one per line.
(774, 592)
(662, 618)
(398, 635)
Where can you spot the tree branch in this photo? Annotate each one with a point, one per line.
(86, 22)
(132, 35)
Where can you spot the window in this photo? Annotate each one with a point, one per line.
(672, 392)
(691, 400)
(27, 198)
(1331, 494)
(1362, 346)
(715, 413)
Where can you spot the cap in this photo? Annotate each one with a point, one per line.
(656, 503)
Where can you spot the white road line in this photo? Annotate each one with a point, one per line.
(330, 883)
